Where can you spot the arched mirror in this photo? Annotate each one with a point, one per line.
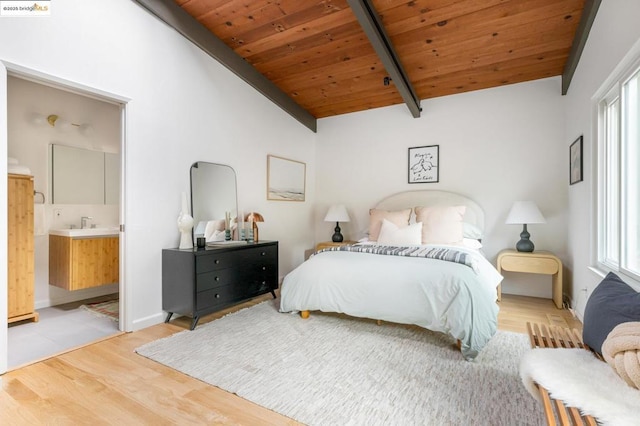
(213, 194)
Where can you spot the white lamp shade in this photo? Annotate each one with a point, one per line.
(337, 213)
(524, 212)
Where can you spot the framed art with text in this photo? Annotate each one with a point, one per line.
(575, 161)
(423, 164)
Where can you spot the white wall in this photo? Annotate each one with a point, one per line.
(614, 32)
(496, 146)
(184, 107)
(29, 142)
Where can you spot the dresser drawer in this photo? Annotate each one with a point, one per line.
(223, 295)
(258, 256)
(530, 264)
(249, 277)
(214, 297)
(260, 286)
(213, 261)
(216, 278)
(265, 272)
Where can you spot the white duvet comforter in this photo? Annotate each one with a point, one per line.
(438, 295)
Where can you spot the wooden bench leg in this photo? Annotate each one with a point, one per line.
(548, 408)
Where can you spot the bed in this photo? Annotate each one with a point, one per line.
(424, 267)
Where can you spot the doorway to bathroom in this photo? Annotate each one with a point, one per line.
(46, 114)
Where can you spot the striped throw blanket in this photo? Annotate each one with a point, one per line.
(431, 252)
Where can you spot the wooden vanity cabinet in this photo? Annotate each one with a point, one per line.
(78, 263)
(202, 281)
(20, 249)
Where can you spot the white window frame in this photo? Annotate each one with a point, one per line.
(603, 218)
(609, 92)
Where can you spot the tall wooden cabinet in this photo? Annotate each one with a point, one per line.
(20, 252)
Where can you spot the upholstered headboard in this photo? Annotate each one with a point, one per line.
(409, 199)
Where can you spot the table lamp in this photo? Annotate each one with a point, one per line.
(253, 218)
(337, 213)
(524, 212)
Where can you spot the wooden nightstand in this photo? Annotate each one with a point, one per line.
(327, 244)
(537, 262)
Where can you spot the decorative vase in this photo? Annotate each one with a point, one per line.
(185, 225)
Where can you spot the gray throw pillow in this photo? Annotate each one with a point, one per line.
(611, 303)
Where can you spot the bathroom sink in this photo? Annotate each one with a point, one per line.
(87, 232)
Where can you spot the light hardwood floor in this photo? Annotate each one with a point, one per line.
(107, 383)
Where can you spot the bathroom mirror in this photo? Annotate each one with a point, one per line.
(213, 193)
(77, 175)
(111, 178)
(83, 176)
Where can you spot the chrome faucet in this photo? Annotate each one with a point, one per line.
(83, 221)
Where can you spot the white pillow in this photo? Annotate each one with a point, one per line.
(442, 225)
(471, 231)
(393, 235)
(399, 218)
(471, 243)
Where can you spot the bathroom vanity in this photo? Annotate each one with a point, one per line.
(83, 258)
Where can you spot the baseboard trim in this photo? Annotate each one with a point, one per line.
(145, 322)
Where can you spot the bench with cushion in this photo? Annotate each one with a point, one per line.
(612, 303)
(543, 336)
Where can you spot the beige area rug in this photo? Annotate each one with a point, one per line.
(330, 370)
(108, 309)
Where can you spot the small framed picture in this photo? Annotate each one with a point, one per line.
(575, 161)
(423, 164)
(286, 179)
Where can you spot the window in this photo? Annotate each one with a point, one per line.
(630, 185)
(618, 247)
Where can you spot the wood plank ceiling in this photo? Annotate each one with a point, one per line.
(316, 51)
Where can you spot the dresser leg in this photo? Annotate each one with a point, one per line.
(273, 293)
(168, 318)
(194, 322)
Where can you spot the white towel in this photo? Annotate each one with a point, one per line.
(39, 225)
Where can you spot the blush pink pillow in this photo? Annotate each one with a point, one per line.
(441, 225)
(399, 218)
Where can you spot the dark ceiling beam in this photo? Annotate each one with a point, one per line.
(173, 15)
(579, 40)
(372, 25)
